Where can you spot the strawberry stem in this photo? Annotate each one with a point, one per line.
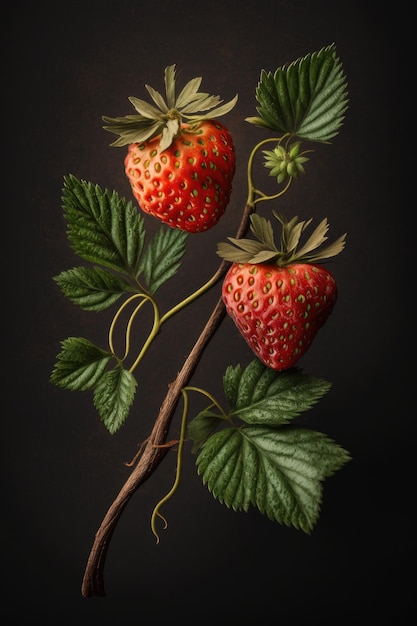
(209, 396)
(252, 191)
(154, 332)
(156, 512)
(175, 486)
(196, 294)
(145, 298)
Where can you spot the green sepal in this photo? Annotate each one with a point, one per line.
(102, 227)
(162, 257)
(91, 288)
(113, 397)
(264, 250)
(80, 364)
(306, 99)
(165, 119)
(279, 471)
(260, 395)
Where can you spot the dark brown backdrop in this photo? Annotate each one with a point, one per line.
(65, 64)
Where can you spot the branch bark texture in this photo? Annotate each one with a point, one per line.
(153, 453)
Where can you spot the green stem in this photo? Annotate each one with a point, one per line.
(252, 191)
(158, 320)
(155, 330)
(174, 487)
(196, 294)
(156, 512)
(209, 396)
(276, 195)
(250, 202)
(129, 326)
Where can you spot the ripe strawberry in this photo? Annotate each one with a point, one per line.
(279, 299)
(180, 164)
(188, 186)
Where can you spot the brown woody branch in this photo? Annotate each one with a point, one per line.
(153, 453)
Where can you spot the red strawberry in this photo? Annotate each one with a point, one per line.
(180, 164)
(280, 301)
(188, 186)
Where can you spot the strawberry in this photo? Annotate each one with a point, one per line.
(180, 164)
(188, 186)
(279, 299)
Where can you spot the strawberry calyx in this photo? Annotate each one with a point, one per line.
(265, 250)
(166, 116)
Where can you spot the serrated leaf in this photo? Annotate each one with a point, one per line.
(202, 426)
(80, 364)
(91, 288)
(102, 227)
(231, 381)
(162, 257)
(307, 98)
(113, 397)
(279, 471)
(260, 395)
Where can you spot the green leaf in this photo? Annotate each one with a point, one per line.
(279, 471)
(102, 227)
(202, 426)
(80, 364)
(114, 396)
(91, 288)
(260, 395)
(162, 257)
(307, 98)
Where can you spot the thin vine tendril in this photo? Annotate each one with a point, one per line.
(209, 396)
(174, 487)
(145, 299)
(251, 187)
(154, 331)
(156, 512)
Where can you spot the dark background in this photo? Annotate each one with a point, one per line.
(65, 64)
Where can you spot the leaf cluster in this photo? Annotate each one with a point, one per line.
(254, 454)
(165, 116)
(107, 231)
(305, 99)
(263, 249)
(256, 457)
